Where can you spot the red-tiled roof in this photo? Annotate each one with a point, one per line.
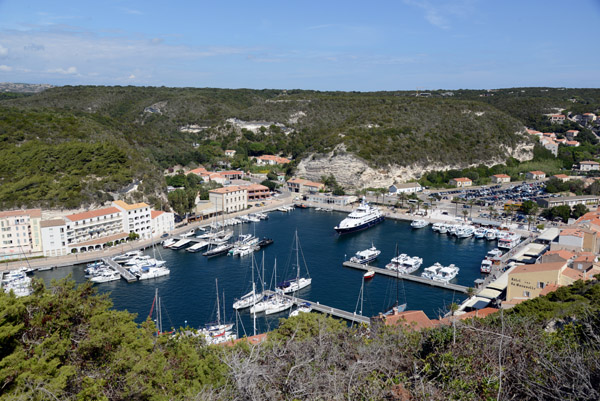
(462, 179)
(416, 319)
(92, 214)
(33, 213)
(226, 190)
(537, 172)
(501, 176)
(539, 267)
(155, 213)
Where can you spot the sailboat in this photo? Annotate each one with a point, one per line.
(219, 241)
(298, 282)
(396, 307)
(158, 319)
(250, 298)
(278, 302)
(218, 332)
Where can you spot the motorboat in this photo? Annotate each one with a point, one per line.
(486, 266)
(446, 273)
(366, 256)
(411, 264)
(432, 271)
(436, 226)
(105, 275)
(420, 223)
(264, 242)
(396, 262)
(494, 254)
(218, 250)
(198, 246)
(443, 229)
(369, 275)
(145, 273)
(491, 234)
(190, 233)
(509, 241)
(126, 256)
(363, 217)
(168, 242)
(480, 232)
(465, 231)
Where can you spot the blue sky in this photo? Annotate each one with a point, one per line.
(321, 45)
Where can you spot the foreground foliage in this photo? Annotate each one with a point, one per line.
(67, 343)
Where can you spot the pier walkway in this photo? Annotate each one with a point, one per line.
(353, 317)
(409, 277)
(123, 271)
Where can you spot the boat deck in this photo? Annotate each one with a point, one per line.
(124, 272)
(409, 277)
(353, 317)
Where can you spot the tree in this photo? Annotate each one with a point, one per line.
(269, 184)
(578, 211)
(271, 175)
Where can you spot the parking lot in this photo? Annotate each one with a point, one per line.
(494, 195)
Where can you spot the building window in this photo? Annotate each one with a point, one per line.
(541, 284)
(526, 294)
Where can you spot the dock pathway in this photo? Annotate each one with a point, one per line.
(409, 277)
(353, 317)
(124, 272)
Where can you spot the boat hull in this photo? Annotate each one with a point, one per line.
(361, 227)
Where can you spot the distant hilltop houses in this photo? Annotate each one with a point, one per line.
(550, 141)
(25, 234)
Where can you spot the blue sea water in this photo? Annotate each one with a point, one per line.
(188, 294)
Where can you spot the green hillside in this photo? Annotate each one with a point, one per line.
(141, 125)
(67, 343)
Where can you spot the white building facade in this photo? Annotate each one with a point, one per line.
(229, 199)
(20, 234)
(162, 222)
(136, 218)
(54, 237)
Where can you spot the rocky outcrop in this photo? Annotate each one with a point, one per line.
(354, 173)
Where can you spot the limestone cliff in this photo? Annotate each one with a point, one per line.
(354, 173)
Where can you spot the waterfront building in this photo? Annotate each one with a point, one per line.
(54, 237)
(257, 192)
(136, 218)
(535, 175)
(162, 222)
(328, 199)
(229, 199)
(408, 188)
(302, 186)
(91, 230)
(587, 200)
(461, 182)
(20, 233)
(500, 178)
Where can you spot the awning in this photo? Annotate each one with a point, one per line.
(477, 303)
(549, 235)
(489, 293)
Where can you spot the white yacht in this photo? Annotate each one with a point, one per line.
(420, 223)
(465, 231)
(303, 308)
(486, 266)
(396, 262)
(432, 271)
(363, 217)
(509, 241)
(443, 229)
(480, 232)
(168, 242)
(494, 254)
(436, 226)
(126, 256)
(491, 234)
(247, 300)
(446, 273)
(366, 256)
(105, 275)
(278, 304)
(411, 264)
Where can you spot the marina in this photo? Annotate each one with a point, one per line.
(188, 296)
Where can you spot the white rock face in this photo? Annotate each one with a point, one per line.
(354, 173)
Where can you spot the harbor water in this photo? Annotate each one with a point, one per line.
(188, 294)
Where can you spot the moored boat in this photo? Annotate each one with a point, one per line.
(420, 223)
(369, 275)
(366, 256)
(363, 217)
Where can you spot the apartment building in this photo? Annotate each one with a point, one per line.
(136, 218)
(20, 234)
(229, 199)
(87, 231)
(54, 237)
(162, 222)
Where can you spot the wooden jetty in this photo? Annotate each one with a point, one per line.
(409, 277)
(124, 272)
(353, 317)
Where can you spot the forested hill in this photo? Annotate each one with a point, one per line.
(68, 146)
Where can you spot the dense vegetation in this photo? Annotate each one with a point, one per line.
(66, 343)
(148, 125)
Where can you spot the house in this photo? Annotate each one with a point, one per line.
(572, 143)
(162, 222)
(302, 186)
(200, 171)
(409, 187)
(461, 182)
(572, 133)
(550, 144)
(589, 165)
(500, 178)
(557, 118)
(20, 233)
(232, 175)
(257, 192)
(270, 160)
(230, 153)
(229, 199)
(535, 175)
(561, 177)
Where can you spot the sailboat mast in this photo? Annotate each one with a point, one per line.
(397, 278)
(254, 305)
(218, 308)
(297, 261)
(362, 294)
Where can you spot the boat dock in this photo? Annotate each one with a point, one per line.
(328, 310)
(409, 277)
(124, 272)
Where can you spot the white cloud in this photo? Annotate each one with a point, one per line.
(3, 51)
(69, 71)
(132, 76)
(432, 13)
(5, 68)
